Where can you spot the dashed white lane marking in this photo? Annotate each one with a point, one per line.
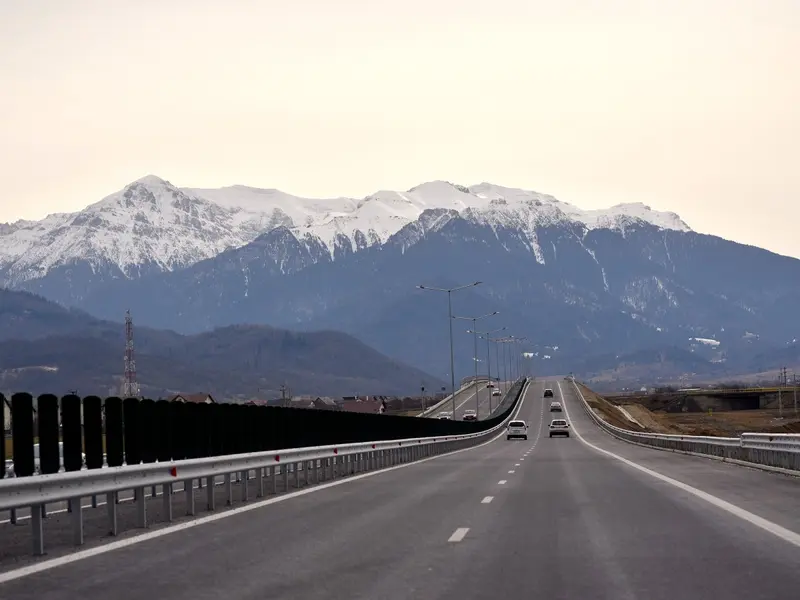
(458, 534)
(487, 499)
(502, 482)
(773, 528)
(516, 465)
(512, 471)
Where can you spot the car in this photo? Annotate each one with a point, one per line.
(443, 415)
(548, 393)
(559, 427)
(517, 429)
(469, 415)
(496, 393)
(490, 385)
(556, 407)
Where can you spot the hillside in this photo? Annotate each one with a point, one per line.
(67, 349)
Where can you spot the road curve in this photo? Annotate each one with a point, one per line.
(567, 521)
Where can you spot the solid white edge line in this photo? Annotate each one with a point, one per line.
(785, 534)
(487, 499)
(150, 535)
(458, 534)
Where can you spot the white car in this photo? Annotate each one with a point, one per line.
(470, 415)
(443, 415)
(555, 407)
(559, 427)
(496, 393)
(517, 429)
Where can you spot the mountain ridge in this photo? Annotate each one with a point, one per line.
(153, 226)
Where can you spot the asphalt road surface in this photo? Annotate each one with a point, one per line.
(542, 518)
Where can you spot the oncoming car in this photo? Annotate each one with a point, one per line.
(496, 393)
(517, 429)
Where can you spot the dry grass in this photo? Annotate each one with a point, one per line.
(732, 423)
(608, 411)
(716, 423)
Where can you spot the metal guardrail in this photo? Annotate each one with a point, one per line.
(471, 379)
(466, 383)
(322, 462)
(773, 450)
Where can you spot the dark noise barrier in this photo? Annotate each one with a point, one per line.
(133, 431)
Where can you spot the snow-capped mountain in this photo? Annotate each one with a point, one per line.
(152, 225)
(577, 283)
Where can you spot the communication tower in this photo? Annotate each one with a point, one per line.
(130, 388)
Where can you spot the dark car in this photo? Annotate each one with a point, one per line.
(548, 393)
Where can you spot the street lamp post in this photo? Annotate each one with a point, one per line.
(485, 335)
(475, 336)
(450, 321)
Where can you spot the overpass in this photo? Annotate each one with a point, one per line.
(591, 516)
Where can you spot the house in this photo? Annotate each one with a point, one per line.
(193, 398)
(324, 403)
(257, 403)
(367, 406)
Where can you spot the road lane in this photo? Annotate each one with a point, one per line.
(465, 400)
(371, 522)
(570, 522)
(582, 525)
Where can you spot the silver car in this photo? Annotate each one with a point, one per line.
(517, 429)
(559, 427)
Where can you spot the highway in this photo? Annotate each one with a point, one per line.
(465, 400)
(542, 518)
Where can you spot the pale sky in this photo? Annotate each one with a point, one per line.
(686, 105)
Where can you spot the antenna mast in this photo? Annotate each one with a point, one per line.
(130, 389)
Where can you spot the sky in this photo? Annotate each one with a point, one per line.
(691, 106)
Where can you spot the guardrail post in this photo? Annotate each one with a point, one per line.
(37, 530)
(244, 490)
(141, 508)
(77, 521)
(166, 492)
(260, 482)
(188, 490)
(228, 489)
(210, 500)
(285, 476)
(111, 507)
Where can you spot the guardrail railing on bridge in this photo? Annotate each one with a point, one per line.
(773, 450)
(320, 463)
